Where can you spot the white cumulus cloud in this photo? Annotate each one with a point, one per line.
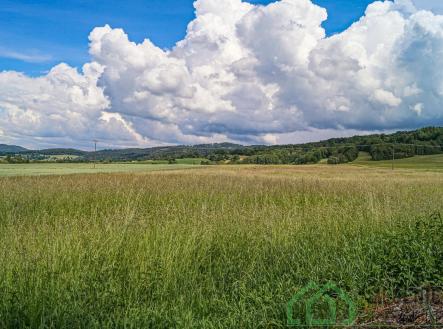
(244, 73)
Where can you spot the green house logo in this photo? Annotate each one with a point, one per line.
(314, 298)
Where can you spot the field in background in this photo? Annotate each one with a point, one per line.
(218, 247)
(430, 162)
(424, 162)
(84, 168)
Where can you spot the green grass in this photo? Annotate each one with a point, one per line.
(219, 247)
(424, 162)
(82, 168)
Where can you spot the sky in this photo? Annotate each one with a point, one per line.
(36, 35)
(163, 72)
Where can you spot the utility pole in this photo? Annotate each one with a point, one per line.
(95, 151)
(393, 156)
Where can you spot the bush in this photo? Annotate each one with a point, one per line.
(333, 161)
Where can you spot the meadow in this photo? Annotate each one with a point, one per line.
(424, 162)
(53, 168)
(217, 247)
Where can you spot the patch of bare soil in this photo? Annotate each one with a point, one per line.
(420, 311)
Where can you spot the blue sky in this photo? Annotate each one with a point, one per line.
(243, 74)
(36, 35)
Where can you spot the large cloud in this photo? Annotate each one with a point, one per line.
(254, 74)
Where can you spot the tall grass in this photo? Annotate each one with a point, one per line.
(213, 248)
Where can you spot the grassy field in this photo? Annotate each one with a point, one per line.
(430, 163)
(84, 168)
(218, 247)
(425, 162)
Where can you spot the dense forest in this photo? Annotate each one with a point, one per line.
(401, 144)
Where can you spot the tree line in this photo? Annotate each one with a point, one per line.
(404, 144)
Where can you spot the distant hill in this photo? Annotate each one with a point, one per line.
(130, 154)
(425, 141)
(60, 151)
(166, 152)
(11, 149)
